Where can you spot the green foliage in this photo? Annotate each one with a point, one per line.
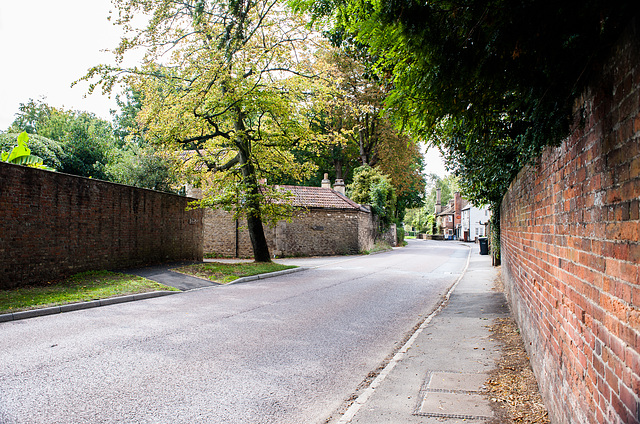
(20, 154)
(126, 127)
(418, 218)
(400, 236)
(489, 83)
(371, 187)
(31, 116)
(351, 129)
(143, 167)
(86, 141)
(48, 150)
(79, 143)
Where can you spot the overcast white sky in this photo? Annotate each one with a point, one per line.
(45, 45)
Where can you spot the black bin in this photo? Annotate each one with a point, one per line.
(484, 245)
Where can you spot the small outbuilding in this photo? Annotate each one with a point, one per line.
(325, 222)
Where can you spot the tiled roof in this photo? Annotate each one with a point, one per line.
(447, 211)
(318, 197)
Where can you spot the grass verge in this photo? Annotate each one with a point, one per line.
(77, 288)
(224, 273)
(379, 246)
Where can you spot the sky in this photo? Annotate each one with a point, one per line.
(434, 163)
(45, 45)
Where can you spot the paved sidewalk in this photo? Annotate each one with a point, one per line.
(437, 377)
(162, 274)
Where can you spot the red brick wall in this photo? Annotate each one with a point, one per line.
(570, 248)
(54, 225)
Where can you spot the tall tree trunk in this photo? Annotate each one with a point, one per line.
(252, 204)
(361, 142)
(337, 165)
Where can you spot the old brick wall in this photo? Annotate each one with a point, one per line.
(570, 248)
(390, 236)
(54, 225)
(366, 231)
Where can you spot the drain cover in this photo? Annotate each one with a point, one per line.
(449, 394)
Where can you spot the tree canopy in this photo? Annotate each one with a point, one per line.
(227, 81)
(371, 187)
(85, 141)
(489, 83)
(80, 143)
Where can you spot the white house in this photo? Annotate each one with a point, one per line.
(474, 221)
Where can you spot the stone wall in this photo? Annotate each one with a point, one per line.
(318, 232)
(570, 231)
(226, 237)
(55, 224)
(314, 232)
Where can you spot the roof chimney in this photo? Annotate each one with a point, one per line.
(325, 182)
(339, 185)
(438, 204)
(457, 207)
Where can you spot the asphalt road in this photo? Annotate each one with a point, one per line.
(288, 349)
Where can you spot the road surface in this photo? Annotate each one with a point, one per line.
(289, 349)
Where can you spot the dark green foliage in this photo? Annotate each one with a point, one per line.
(88, 142)
(143, 167)
(80, 143)
(126, 128)
(371, 187)
(85, 139)
(48, 150)
(489, 82)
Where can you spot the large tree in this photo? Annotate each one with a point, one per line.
(352, 129)
(222, 79)
(490, 83)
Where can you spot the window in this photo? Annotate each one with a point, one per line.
(450, 218)
(476, 230)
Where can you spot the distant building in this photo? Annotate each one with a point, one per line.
(460, 220)
(444, 220)
(474, 222)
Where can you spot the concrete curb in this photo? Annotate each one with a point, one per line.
(15, 316)
(267, 275)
